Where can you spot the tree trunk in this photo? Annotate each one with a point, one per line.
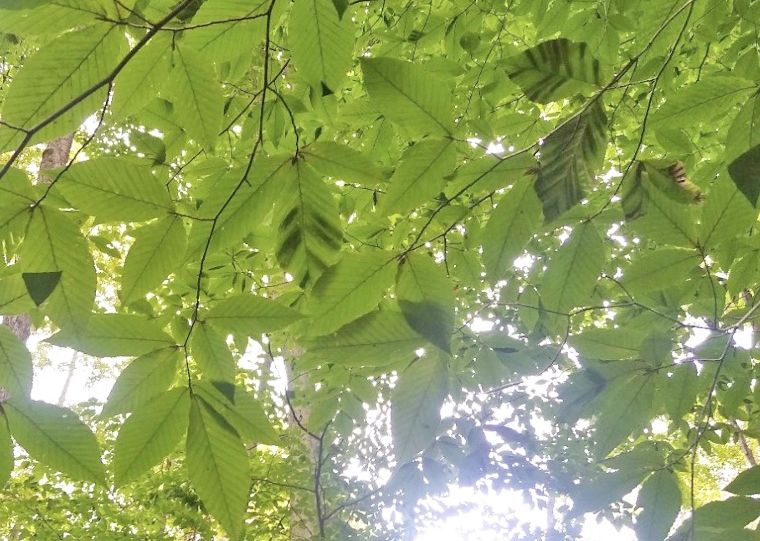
(56, 154)
(304, 526)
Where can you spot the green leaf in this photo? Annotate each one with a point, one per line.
(342, 162)
(572, 273)
(54, 243)
(598, 493)
(726, 214)
(142, 78)
(706, 99)
(554, 70)
(569, 158)
(652, 213)
(153, 256)
(625, 406)
(379, 338)
(250, 315)
(321, 42)
(254, 198)
(6, 451)
(511, 224)
(217, 465)
(744, 132)
(14, 297)
(711, 518)
(243, 412)
(608, 344)
(196, 96)
(56, 437)
(746, 483)
(416, 406)
(744, 173)
(310, 234)
(209, 349)
(661, 499)
(426, 298)
(40, 285)
(659, 269)
(142, 380)
(414, 99)
(115, 190)
(149, 434)
(419, 177)
(16, 367)
(226, 29)
(60, 72)
(349, 289)
(115, 335)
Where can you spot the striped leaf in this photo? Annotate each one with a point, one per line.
(142, 77)
(243, 27)
(569, 159)
(554, 70)
(310, 234)
(209, 349)
(342, 162)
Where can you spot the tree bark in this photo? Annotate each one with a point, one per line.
(56, 154)
(303, 525)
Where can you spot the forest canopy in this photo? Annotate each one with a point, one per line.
(344, 255)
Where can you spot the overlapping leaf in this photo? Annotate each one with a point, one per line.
(570, 158)
(114, 335)
(416, 406)
(150, 433)
(555, 69)
(414, 99)
(152, 257)
(115, 190)
(60, 72)
(217, 465)
(349, 289)
(321, 41)
(310, 234)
